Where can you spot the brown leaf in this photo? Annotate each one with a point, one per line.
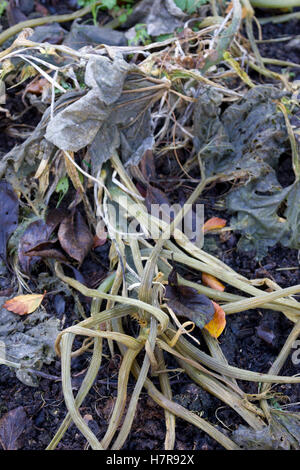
(147, 165)
(37, 232)
(12, 424)
(187, 302)
(47, 250)
(75, 236)
(36, 87)
(55, 217)
(24, 304)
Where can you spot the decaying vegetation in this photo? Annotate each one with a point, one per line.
(106, 111)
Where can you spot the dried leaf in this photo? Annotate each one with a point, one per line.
(186, 301)
(36, 87)
(24, 304)
(213, 224)
(12, 424)
(75, 236)
(216, 326)
(282, 433)
(48, 249)
(37, 232)
(211, 281)
(55, 217)
(248, 139)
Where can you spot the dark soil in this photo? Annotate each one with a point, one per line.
(250, 341)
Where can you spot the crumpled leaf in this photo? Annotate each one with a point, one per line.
(24, 304)
(23, 160)
(113, 114)
(52, 33)
(28, 341)
(160, 16)
(75, 236)
(9, 210)
(187, 302)
(216, 326)
(82, 35)
(37, 232)
(12, 425)
(247, 140)
(47, 249)
(283, 433)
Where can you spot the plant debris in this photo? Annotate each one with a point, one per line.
(24, 304)
(12, 425)
(186, 302)
(132, 130)
(9, 210)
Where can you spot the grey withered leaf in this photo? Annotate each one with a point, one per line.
(187, 302)
(12, 424)
(9, 209)
(75, 236)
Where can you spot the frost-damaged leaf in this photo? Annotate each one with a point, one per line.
(213, 224)
(282, 433)
(75, 236)
(24, 304)
(9, 209)
(216, 326)
(29, 343)
(82, 35)
(160, 16)
(211, 281)
(114, 113)
(12, 425)
(77, 125)
(247, 140)
(187, 302)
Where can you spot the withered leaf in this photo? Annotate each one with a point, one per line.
(47, 249)
(9, 209)
(147, 165)
(12, 424)
(37, 232)
(55, 217)
(24, 304)
(75, 236)
(187, 302)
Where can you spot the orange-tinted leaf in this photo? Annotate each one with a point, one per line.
(24, 304)
(211, 281)
(36, 86)
(244, 10)
(216, 326)
(213, 224)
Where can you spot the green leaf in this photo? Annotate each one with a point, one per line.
(63, 185)
(190, 6)
(109, 4)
